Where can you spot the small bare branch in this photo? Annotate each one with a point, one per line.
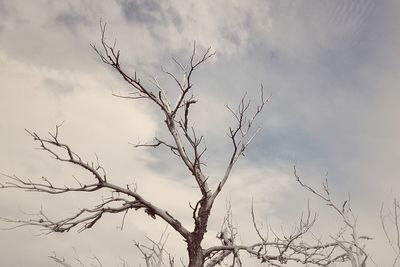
(155, 253)
(240, 135)
(392, 233)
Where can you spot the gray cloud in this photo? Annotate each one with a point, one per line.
(146, 12)
(71, 20)
(57, 87)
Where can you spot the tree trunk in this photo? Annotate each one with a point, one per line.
(195, 250)
(195, 255)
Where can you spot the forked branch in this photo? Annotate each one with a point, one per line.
(186, 142)
(122, 199)
(352, 243)
(242, 134)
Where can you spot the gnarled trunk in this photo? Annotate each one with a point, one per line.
(195, 254)
(195, 250)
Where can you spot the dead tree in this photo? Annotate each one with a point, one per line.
(348, 238)
(154, 253)
(94, 261)
(189, 147)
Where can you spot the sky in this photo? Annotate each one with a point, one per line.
(331, 67)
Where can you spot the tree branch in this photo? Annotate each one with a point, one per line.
(86, 217)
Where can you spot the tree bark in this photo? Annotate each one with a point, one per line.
(195, 254)
(195, 251)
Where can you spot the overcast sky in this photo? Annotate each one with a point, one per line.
(332, 68)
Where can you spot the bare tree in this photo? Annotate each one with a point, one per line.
(93, 261)
(154, 254)
(348, 238)
(271, 248)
